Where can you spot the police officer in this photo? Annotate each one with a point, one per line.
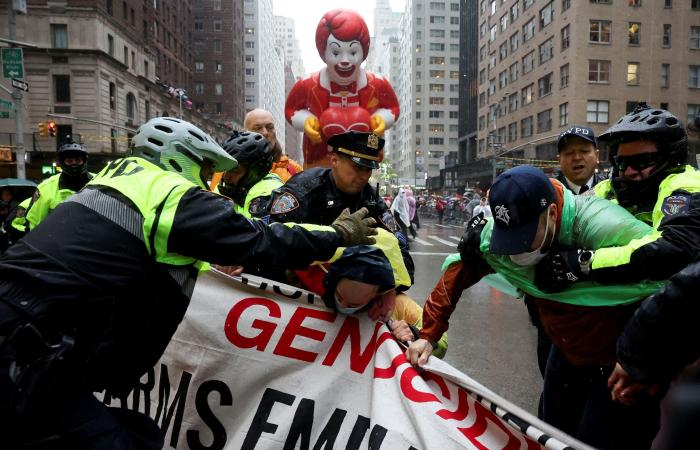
(577, 152)
(72, 158)
(648, 148)
(250, 184)
(91, 297)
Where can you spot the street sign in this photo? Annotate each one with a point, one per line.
(5, 104)
(19, 84)
(4, 114)
(12, 63)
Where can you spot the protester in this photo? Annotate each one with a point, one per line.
(400, 210)
(90, 298)
(411, 200)
(440, 205)
(250, 184)
(260, 121)
(531, 214)
(72, 158)
(483, 208)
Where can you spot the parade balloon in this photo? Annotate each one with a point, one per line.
(341, 120)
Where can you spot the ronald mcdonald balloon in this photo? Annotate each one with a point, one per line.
(342, 96)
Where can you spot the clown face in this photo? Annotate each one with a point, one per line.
(343, 59)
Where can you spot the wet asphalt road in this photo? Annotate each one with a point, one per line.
(490, 336)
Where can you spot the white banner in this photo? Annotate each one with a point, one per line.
(272, 368)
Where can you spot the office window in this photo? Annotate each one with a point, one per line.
(112, 96)
(528, 62)
(514, 42)
(528, 94)
(546, 14)
(565, 37)
(436, 87)
(437, 19)
(634, 32)
(665, 72)
(199, 87)
(438, 47)
(503, 79)
(695, 5)
(218, 66)
(130, 107)
(436, 127)
(514, 12)
(668, 4)
(454, 20)
(597, 111)
(218, 89)
(482, 99)
(513, 102)
(110, 45)
(599, 31)
(529, 30)
(199, 66)
(436, 141)
(492, 33)
(635, 3)
(437, 74)
(666, 35)
(250, 71)
(632, 74)
(61, 88)
(454, 48)
(217, 45)
(434, 114)
(216, 5)
(126, 56)
(437, 33)
(546, 50)
(59, 35)
(503, 51)
(598, 71)
(526, 127)
(454, 34)
(492, 86)
(145, 69)
(513, 72)
(564, 76)
(217, 25)
(693, 112)
(198, 24)
(563, 114)
(482, 76)
(694, 76)
(545, 85)
(436, 101)
(695, 38)
(504, 22)
(437, 6)
(513, 132)
(110, 7)
(527, 4)
(544, 121)
(565, 4)
(133, 60)
(436, 60)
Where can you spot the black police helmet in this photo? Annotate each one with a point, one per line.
(650, 124)
(71, 149)
(253, 152)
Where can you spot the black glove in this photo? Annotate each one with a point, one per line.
(471, 241)
(355, 228)
(558, 270)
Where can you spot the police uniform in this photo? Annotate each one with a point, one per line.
(313, 197)
(50, 193)
(258, 197)
(122, 273)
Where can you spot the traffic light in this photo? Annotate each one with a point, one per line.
(52, 129)
(42, 129)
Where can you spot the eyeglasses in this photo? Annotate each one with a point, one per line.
(637, 162)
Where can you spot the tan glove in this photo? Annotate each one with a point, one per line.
(355, 228)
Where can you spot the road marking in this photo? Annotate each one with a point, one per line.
(421, 241)
(443, 226)
(429, 254)
(455, 238)
(442, 241)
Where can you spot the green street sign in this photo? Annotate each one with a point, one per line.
(5, 104)
(12, 63)
(4, 114)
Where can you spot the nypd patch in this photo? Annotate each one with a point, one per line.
(675, 204)
(258, 207)
(284, 203)
(388, 221)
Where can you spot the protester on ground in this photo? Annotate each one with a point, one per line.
(72, 158)
(531, 214)
(317, 194)
(250, 184)
(90, 298)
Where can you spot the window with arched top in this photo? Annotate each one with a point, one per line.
(130, 106)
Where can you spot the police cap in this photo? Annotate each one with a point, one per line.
(364, 149)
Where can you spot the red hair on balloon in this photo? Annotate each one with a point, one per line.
(345, 25)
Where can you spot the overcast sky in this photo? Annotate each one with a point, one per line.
(307, 13)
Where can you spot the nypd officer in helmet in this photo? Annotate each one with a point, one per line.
(319, 194)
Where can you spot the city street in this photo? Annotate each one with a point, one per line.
(490, 336)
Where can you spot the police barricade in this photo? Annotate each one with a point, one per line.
(257, 365)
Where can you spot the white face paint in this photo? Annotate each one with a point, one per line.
(343, 59)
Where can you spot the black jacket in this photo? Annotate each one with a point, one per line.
(663, 336)
(311, 196)
(597, 178)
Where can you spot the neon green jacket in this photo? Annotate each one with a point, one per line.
(47, 197)
(256, 200)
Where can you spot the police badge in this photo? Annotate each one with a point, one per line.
(388, 221)
(284, 203)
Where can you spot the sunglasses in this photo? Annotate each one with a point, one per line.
(637, 162)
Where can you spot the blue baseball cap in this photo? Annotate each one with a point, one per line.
(517, 198)
(578, 131)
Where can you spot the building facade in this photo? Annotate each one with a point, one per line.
(545, 65)
(286, 38)
(217, 38)
(95, 73)
(427, 137)
(264, 62)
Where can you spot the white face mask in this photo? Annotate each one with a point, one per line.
(347, 311)
(533, 257)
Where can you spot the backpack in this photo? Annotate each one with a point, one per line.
(439, 206)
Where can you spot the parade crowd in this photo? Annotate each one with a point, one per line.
(99, 267)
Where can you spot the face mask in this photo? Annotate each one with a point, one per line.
(347, 311)
(532, 258)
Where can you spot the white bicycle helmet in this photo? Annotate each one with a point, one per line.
(178, 146)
